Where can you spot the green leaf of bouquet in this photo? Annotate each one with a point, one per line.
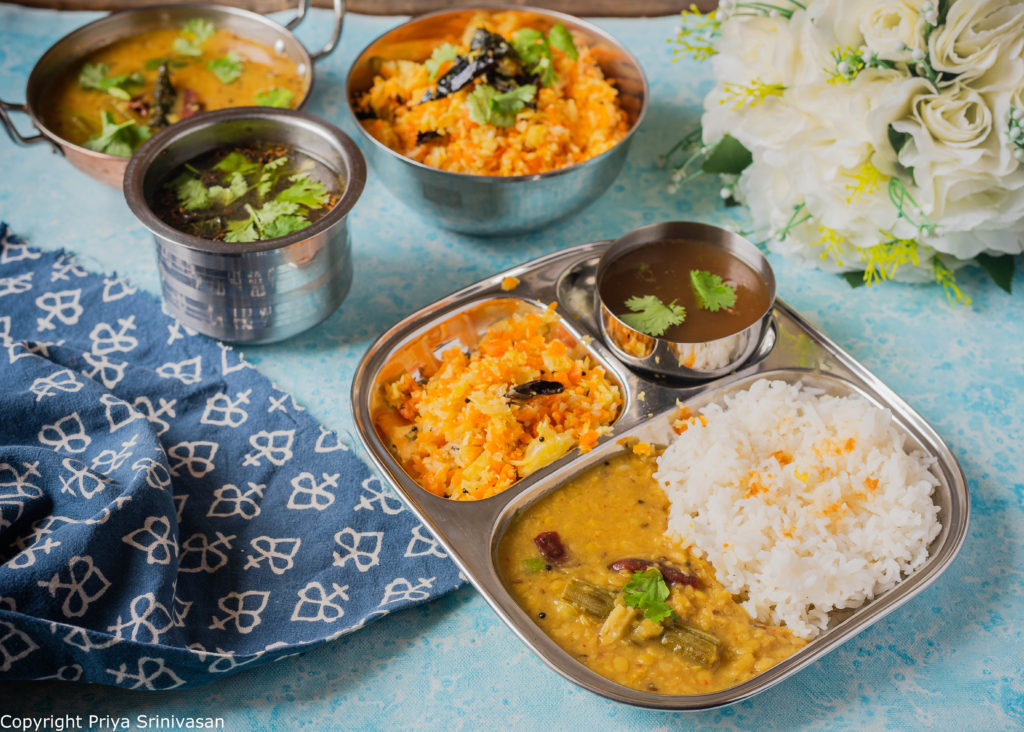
(853, 279)
(728, 156)
(1000, 268)
(898, 139)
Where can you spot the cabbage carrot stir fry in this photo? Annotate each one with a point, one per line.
(520, 400)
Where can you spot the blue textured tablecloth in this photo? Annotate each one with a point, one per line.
(168, 515)
(952, 658)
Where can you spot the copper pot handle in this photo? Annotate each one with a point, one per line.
(12, 131)
(339, 19)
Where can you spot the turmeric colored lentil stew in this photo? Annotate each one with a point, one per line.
(609, 544)
(122, 93)
(522, 397)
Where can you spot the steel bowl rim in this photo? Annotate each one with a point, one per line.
(35, 77)
(139, 164)
(500, 179)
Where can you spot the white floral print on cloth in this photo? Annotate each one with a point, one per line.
(167, 515)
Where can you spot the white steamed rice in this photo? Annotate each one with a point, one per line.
(802, 502)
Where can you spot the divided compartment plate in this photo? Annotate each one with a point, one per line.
(793, 350)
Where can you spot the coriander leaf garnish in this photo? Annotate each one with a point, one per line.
(712, 293)
(194, 195)
(304, 190)
(559, 37)
(236, 162)
(651, 316)
(117, 138)
(489, 106)
(269, 175)
(226, 68)
(535, 53)
(647, 591)
(271, 220)
(191, 193)
(94, 76)
(276, 97)
(444, 52)
(194, 33)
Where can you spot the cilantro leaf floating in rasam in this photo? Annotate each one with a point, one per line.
(651, 316)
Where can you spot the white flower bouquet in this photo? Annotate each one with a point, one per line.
(883, 139)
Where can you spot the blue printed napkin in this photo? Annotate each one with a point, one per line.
(168, 515)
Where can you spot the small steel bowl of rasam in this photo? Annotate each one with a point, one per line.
(684, 300)
(249, 208)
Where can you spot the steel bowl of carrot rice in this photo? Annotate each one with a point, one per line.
(495, 121)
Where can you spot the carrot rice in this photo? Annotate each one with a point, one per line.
(576, 118)
(459, 436)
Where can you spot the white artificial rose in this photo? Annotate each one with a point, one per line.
(818, 188)
(978, 41)
(894, 29)
(966, 180)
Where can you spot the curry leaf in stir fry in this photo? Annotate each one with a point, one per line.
(117, 138)
(226, 68)
(648, 592)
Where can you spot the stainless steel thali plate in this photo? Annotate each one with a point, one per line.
(793, 350)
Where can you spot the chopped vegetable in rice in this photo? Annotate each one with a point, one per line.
(503, 100)
(520, 400)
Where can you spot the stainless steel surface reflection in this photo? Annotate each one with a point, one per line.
(690, 361)
(496, 205)
(470, 532)
(261, 291)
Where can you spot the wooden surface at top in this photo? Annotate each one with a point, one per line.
(410, 7)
